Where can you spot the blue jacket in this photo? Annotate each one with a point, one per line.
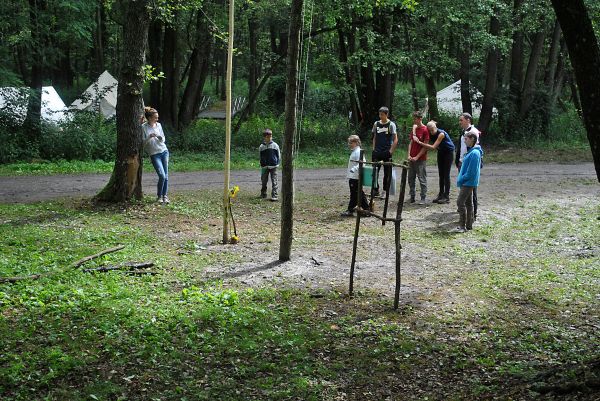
(471, 167)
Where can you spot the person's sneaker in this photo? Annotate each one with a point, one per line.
(159, 199)
(438, 199)
(166, 199)
(263, 196)
(274, 198)
(347, 213)
(444, 200)
(460, 230)
(376, 194)
(412, 200)
(421, 202)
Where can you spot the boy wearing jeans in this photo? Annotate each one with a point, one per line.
(417, 157)
(468, 181)
(269, 161)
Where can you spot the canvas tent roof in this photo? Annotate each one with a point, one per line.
(448, 100)
(100, 96)
(14, 102)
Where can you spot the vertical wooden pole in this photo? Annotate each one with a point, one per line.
(397, 237)
(387, 193)
(356, 229)
(228, 123)
(287, 155)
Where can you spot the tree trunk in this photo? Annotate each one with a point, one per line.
(411, 70)
(34, 104)
(254, 95)
(551, 65)
(465, 79)
(367, 95)
(287, 187)
(516, 59)
(199, 68)
(431, 97)
(349, 79)
(126, 180)
(384, 76)
(21, 62)
(491, 79)
(100, 39)
(155, 35)
(585, 59)
(253, 27)
(530, 77)
(170, 84)
(575, 95)
(557, 87)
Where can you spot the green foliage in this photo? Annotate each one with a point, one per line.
(209, 135)
(87, 137)
(502, 304)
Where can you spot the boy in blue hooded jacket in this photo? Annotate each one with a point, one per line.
(467, 181)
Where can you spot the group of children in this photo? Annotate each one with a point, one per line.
(468, 160)
(423, 138)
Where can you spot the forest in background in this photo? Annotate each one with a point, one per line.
(360, 55)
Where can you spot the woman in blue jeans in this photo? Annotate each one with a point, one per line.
(154, 145)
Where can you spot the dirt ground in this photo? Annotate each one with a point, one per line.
(325, 266)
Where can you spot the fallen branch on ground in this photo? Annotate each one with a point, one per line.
(95, 256)
(75, 265)
(126, 266)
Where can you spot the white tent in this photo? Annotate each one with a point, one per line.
(13, 101)
(448, 100)
(100, 96)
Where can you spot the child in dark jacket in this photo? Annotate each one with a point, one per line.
(269, 161)
(467, 181)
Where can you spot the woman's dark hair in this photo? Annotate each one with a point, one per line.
(149, 112)
(467, 116)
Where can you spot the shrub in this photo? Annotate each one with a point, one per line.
(88, 136)
(209, 135)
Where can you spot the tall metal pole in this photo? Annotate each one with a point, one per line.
(228, 123)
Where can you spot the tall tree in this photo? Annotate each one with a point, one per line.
(200, 62)
(39, 42)
(584, 53)
(126, 179)
(491, 78)
(291, 98)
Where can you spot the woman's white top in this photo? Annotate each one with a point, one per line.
(156, 144)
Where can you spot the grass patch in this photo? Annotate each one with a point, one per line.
(523, 301)
(240, 160)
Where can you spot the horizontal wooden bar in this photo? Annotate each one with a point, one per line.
(383, 164)
(367, 213)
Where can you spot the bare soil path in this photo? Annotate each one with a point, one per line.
(25, 189)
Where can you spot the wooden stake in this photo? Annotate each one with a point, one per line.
(356, 229)
(228, 124)
(397, 238)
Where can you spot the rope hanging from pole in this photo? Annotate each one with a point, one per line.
(307, 37)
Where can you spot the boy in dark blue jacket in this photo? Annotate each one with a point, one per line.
(269, 161)
(467, 181)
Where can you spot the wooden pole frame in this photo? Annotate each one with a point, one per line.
(228, 123)
(367, 213)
